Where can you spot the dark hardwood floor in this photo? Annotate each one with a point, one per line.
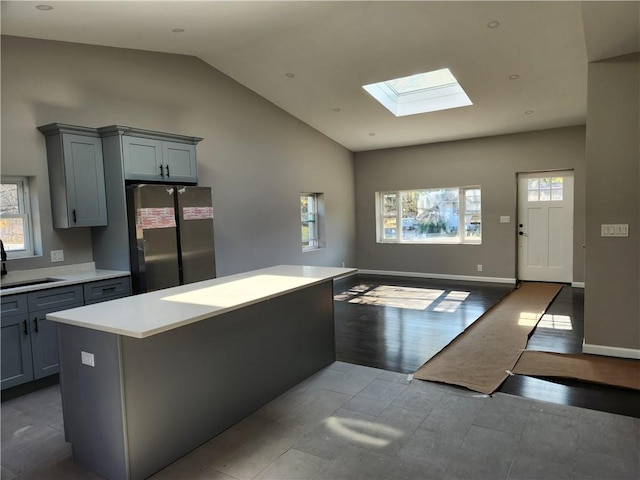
(397, 324)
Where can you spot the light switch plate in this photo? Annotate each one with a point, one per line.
(88, 359)
(614, 230)
(505, 219)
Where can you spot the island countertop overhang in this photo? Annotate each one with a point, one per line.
(148, 314)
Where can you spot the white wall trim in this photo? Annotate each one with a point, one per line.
(577, 284)
(468, 278)
(611, 351)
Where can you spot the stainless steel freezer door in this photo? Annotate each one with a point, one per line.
(156, 238)
(195, 221)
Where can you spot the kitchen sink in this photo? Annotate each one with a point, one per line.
(27, 283)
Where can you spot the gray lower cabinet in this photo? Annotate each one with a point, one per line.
(44, 343)
(17, 366)
(30, 341)
(103, 290)
(76, 176)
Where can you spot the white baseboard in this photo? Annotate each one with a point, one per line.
(467, 278)
(611, 351)
(577, 284)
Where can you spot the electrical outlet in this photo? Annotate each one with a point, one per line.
(479, 267)
(57, 255)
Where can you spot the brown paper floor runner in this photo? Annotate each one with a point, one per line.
(618, 372)
(480, 357)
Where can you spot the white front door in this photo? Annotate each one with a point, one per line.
(545, 226)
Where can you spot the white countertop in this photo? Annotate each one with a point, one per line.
(151, 313)
(63, 276)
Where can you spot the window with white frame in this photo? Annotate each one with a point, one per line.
(15, 217)
(310, 218)
(440, 215)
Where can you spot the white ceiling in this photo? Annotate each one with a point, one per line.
(335, 47)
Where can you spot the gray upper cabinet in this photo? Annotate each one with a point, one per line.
(76, 176)
(180, 162)
(142, 158)
(149, 156)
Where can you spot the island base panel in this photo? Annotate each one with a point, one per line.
(92, 400)
(182, 387)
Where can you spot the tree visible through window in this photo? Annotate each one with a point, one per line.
(443, 215)
(15, 217)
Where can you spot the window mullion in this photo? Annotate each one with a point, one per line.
(461, 215)
(399, 205)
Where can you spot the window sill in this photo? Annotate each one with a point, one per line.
(456, 242)
(312, 249)
(21, 256)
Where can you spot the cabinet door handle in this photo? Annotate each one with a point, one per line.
(108, 289)
(161, 171)
(26, 329)
(35, 321)
(75, 218)
(167, 167)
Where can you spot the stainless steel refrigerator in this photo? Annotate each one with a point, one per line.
(170, 235)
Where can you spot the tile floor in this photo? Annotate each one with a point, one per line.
(355, 422)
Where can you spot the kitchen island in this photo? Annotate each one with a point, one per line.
(146, 379)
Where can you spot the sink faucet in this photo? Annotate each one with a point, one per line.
(3, 255)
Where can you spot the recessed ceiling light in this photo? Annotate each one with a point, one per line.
(493, 24)
(178, 30)
(421, 93)
(528, 112)
(371, 134)
(290, 75)
(44, 7)
(337, 109)
(515, 76)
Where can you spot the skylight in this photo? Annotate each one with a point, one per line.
(421, 93)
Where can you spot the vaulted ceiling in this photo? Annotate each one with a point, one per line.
(523, 64)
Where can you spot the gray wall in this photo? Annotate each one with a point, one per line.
(492, 163)
(612, 304)
(256, 157)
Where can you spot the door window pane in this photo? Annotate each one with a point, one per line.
(545, 189)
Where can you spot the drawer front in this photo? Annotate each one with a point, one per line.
(53, 299)
(103, 290)
(14, 304)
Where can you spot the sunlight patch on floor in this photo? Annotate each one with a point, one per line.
(363, 432)
(412, 298)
